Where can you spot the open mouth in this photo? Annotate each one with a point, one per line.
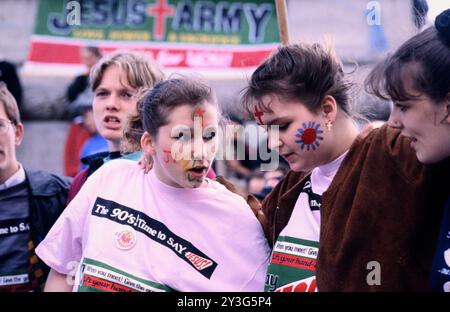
(198, 171)
(112, 122)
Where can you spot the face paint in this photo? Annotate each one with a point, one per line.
(258, 114)
(309, 136)
(177, 162)
(198, 113)
(183, 164)
(191, 176)
(167, 156)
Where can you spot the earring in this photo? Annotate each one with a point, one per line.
(329, 125)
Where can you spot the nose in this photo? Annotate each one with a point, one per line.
(112, 103)
(199, 150)
(394, 120)
(273, 138)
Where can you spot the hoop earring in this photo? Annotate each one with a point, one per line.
(329, 125)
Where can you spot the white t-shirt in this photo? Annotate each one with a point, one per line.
(126, 230)
(293, 261)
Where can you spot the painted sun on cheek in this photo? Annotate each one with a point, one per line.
(309, 136)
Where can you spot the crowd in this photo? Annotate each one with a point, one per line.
(146, 211)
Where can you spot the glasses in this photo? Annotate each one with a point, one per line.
(4, 125)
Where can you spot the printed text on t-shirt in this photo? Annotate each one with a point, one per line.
(156, 231)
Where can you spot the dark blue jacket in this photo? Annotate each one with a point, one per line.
(47, 199)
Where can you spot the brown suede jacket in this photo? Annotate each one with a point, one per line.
(381, 206)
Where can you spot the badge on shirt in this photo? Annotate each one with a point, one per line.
(125, 237)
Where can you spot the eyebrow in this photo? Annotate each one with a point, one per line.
(402, 103)
(123, 89)
(181, 129)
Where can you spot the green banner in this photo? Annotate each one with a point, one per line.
(205, 22)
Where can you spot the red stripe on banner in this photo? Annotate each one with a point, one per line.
(101, 284)
(294, 261)
(54, 53)
(250, 59)
(60, 53)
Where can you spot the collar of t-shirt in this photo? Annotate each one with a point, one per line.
(322, 176)
(15, 179)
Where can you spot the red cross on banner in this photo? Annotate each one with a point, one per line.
(160, 11)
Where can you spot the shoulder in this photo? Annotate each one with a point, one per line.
(114, 174)
(120, 163)
(47, 184)
(77, 183)
(385, 146)
(389, 138)
(118, 168)
(220, 188)
(229, 192)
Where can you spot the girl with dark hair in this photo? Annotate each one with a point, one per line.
(417, 79)
(353, 211)
(171, 229)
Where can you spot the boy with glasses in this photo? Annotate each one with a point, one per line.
(30, 202)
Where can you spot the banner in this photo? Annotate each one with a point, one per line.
(206, 36)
